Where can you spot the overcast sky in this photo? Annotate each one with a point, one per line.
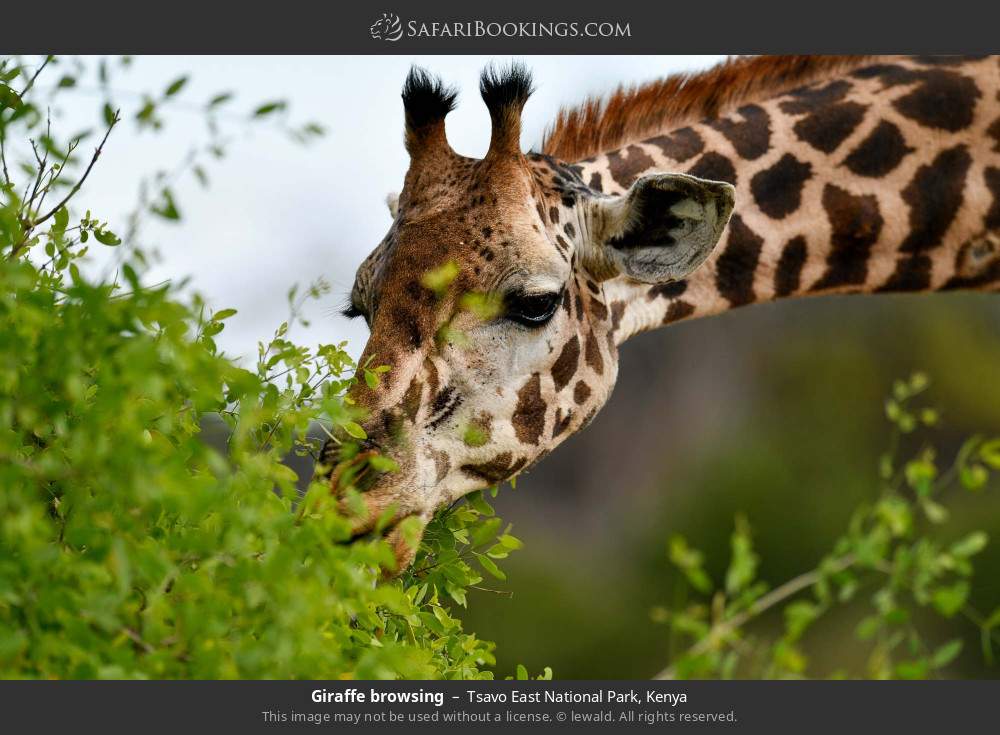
(278, 213)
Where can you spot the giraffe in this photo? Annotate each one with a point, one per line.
(763, 178)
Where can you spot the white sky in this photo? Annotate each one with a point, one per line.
(278, 213)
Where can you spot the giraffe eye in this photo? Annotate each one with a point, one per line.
(531, 310)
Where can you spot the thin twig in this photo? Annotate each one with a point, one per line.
(76, 187)
(137, 639)
(57, 173)
(43, 164)
(31, 82)
(3, 161)
(763, 603)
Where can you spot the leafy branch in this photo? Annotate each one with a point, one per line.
(890, 547)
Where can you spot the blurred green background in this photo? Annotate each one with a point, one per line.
(774, 412)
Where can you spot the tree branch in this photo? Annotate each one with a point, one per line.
(31, 82)
(763, 603)
(76, 187)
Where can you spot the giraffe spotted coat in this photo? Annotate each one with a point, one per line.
(862, 175)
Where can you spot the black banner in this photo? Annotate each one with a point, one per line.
(508, 28)
(815, 707)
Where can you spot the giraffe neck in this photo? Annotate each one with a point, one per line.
(884, 178)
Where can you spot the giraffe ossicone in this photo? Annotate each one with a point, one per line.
(505, 285)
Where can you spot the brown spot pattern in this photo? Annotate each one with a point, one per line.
(751, 136)
(789, 270)
(994, 132)
(715, 167)
(945, 100)
(826, 129)
(495, 470)
(564, 368)
(529, 414)
(679, 145)
(592, 353)
(411, 399)
(856, 224)
(934, 196)
(992, 178)
(814, 97)
(882, 150)
(735, 268)
(778, 189)
(626, 170)
(678, 310)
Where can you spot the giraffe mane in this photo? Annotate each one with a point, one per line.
(630, 113)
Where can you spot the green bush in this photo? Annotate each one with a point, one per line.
(129, 547)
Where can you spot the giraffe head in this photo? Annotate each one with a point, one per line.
(486, 299)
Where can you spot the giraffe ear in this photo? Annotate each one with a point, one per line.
(661, 230)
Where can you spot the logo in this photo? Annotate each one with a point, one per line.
(387, 28)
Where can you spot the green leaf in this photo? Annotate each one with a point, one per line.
(799, 615)
(475, 436)
(438, 279)
(9, 99)
(946, 653)
(219, 99)
(167, 208)
(935, 512)
(107, 237)
(522, 673)
(223, 314)
(382, 463)
(974, 477)
(131, 276)
(971, 544)
(689, 561)
(950, 599)
(868, 627)
(895, 513)
(911, 669)
(355, 430)
(175, 86)
(989, 453)
(993, 621)
(920, 475)
(743, 562)
(269, 108)
(490, 566)
(510, 542)
(477, 501)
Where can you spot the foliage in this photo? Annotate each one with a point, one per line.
(892, 558)
(129, 546)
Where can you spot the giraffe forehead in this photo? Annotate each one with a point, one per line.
(491, 233)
